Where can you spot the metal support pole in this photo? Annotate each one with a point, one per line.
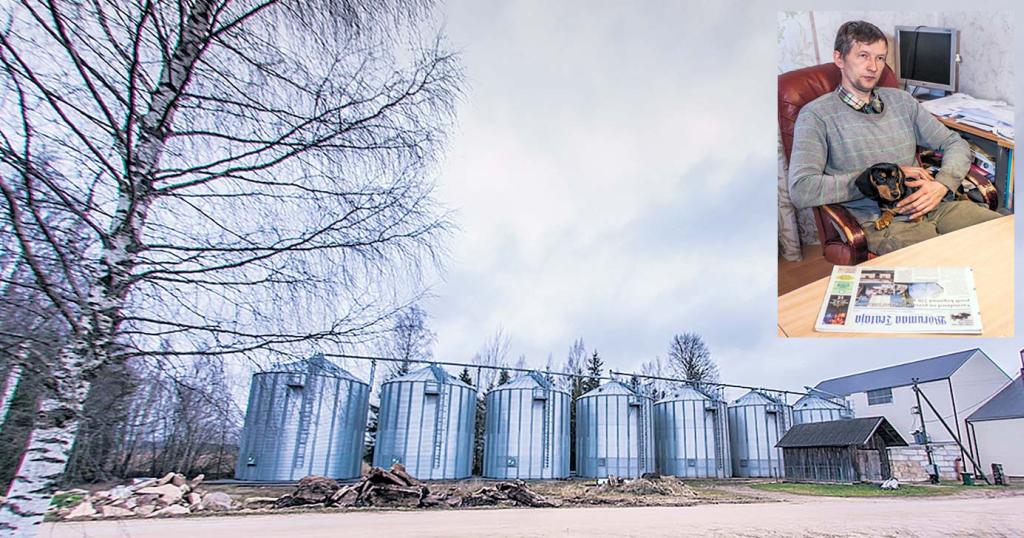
(948, 429)
(924, 434)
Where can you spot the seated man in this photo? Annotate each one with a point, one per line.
(842, 133)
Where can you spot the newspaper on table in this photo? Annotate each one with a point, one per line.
(900, 300)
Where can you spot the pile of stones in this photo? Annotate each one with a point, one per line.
(172, 495)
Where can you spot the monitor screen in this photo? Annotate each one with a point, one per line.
(926, 56)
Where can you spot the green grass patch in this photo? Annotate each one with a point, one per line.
(67, 498)
(856, 490)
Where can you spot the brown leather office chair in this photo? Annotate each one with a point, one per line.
(796, 89)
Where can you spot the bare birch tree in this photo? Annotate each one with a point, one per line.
(250, 177)
(689, 358)
(408, 340)
(653, 388)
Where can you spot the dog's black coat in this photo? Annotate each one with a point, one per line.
(885, 184)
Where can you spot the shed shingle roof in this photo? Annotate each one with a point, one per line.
(854, 432)
(901, 375)
(1008, 403)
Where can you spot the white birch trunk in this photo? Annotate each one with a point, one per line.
(47, 451)
(10, 387)
(59, 417)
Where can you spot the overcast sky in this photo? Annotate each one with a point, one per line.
(613, 176)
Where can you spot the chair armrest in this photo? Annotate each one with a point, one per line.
(985, 187)
(842, 239)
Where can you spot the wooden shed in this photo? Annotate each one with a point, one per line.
(840, 450)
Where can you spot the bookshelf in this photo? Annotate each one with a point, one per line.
(1001, 150)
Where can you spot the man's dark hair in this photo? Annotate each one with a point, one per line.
(860, 31)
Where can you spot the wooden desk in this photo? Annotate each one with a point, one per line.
(987, 135)
(1001, 150)
(986, 247)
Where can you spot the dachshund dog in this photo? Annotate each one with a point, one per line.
(885, 184)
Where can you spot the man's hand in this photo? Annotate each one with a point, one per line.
(927, 197)
(917, 172)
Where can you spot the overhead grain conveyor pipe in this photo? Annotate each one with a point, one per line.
(463, 364)
(717, 384)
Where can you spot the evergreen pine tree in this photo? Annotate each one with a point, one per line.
(478, 425)
(594, 367)
(465, 377)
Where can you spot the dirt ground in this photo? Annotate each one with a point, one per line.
(970, 515)
(661, 492)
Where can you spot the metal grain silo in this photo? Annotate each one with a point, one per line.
(692, 435)
(756, 423)
(614, 436)
(306, 417)
(812, 408)
(526, 432)
(426, 423)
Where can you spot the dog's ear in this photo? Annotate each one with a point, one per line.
(864, 184)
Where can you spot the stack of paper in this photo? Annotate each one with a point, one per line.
(984, 114)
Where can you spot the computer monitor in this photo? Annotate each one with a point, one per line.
(928, 57)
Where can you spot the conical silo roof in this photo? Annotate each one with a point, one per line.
(530, 380)
(686, 393)
(814, 402)
(433, 373)
(612, 388)
(315, 365)
(755, 397)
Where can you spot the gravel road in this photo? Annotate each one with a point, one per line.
(810, 516)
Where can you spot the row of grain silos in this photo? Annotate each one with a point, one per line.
(309, 417)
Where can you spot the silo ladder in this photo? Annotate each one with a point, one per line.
(441, 423)
(305, 417)
(642, 436)
(549, 418)
(719, 440)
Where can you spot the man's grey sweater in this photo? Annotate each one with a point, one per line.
(833, 144)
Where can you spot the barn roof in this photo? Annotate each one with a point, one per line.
(851, 432)
(1007, 403)
(900, 375)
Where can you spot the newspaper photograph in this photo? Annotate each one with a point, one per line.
(900, 300)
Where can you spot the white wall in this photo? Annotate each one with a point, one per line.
(986, 43)
(1001, 441)
(975, 383)
(900, 414)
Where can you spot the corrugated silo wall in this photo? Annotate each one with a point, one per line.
(692, 439)
(802, 416)
(430, 431)
(753, 433)
(613, 437)
(298, 424)
(526, 436)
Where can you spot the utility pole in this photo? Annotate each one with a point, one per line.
(933, 472)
